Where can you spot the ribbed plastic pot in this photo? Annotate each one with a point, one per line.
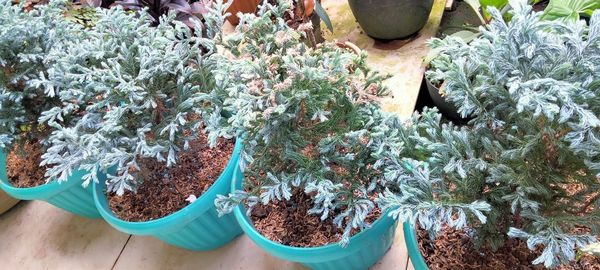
(412, 244)
(364, 249)
(69, 195)
(195, 227)
(391, 19)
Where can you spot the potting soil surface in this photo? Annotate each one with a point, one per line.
(22, 165)
(288, 223)
(168, 190)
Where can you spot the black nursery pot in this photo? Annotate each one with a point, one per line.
(446, 108)
(391, 19)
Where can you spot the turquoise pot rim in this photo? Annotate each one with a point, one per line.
(307, 254)
(42, 192)
(175, 220)
(410, 238)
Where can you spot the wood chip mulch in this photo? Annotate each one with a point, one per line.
(165, 190)
(23, 165)
(454, 249)
(288, 223)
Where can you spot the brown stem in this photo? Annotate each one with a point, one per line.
(585, 207)
(159, 109)
(312, 40)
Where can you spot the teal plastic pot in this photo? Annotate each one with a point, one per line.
(195, 227)
(391, 19)
(364, 249)
(416, 258)
(69, 195)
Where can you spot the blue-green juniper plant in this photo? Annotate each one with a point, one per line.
(309, 116)
(26, 40)
(136, 91)
(528, 164)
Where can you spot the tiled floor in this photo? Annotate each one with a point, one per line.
(36, 235)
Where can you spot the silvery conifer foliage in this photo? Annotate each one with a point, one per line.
(25, 40)
(308, 115)
(136, 91)
(528, 164)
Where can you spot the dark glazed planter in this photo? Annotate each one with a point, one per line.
(446, 108)
(391, 19)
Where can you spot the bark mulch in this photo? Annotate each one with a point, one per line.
(454, 249)
(165, 190)
(23, 165)
(288, 223)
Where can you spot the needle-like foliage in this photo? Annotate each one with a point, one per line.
(528, 164)
(26, 38)
(308, 116)
(136, 91)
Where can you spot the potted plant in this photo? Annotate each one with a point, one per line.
(570, 10)
(149, 131)
(26, 38)
(302, 15)
(391, 19)
(518, 186)
(186, 12)
(307, 181)
(438, 61)
(440, 55)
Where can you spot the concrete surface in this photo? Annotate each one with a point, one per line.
(36, 235)
(403, 59)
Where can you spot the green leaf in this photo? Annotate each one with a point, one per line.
(323, 15)
(485, 4)
(570, 10)
(476, 6)
(465, 35)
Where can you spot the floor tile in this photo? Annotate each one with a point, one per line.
(148, 253)
(151, 254)
(37, 235)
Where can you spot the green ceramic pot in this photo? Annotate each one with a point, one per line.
(391, 19)
(446, 108)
